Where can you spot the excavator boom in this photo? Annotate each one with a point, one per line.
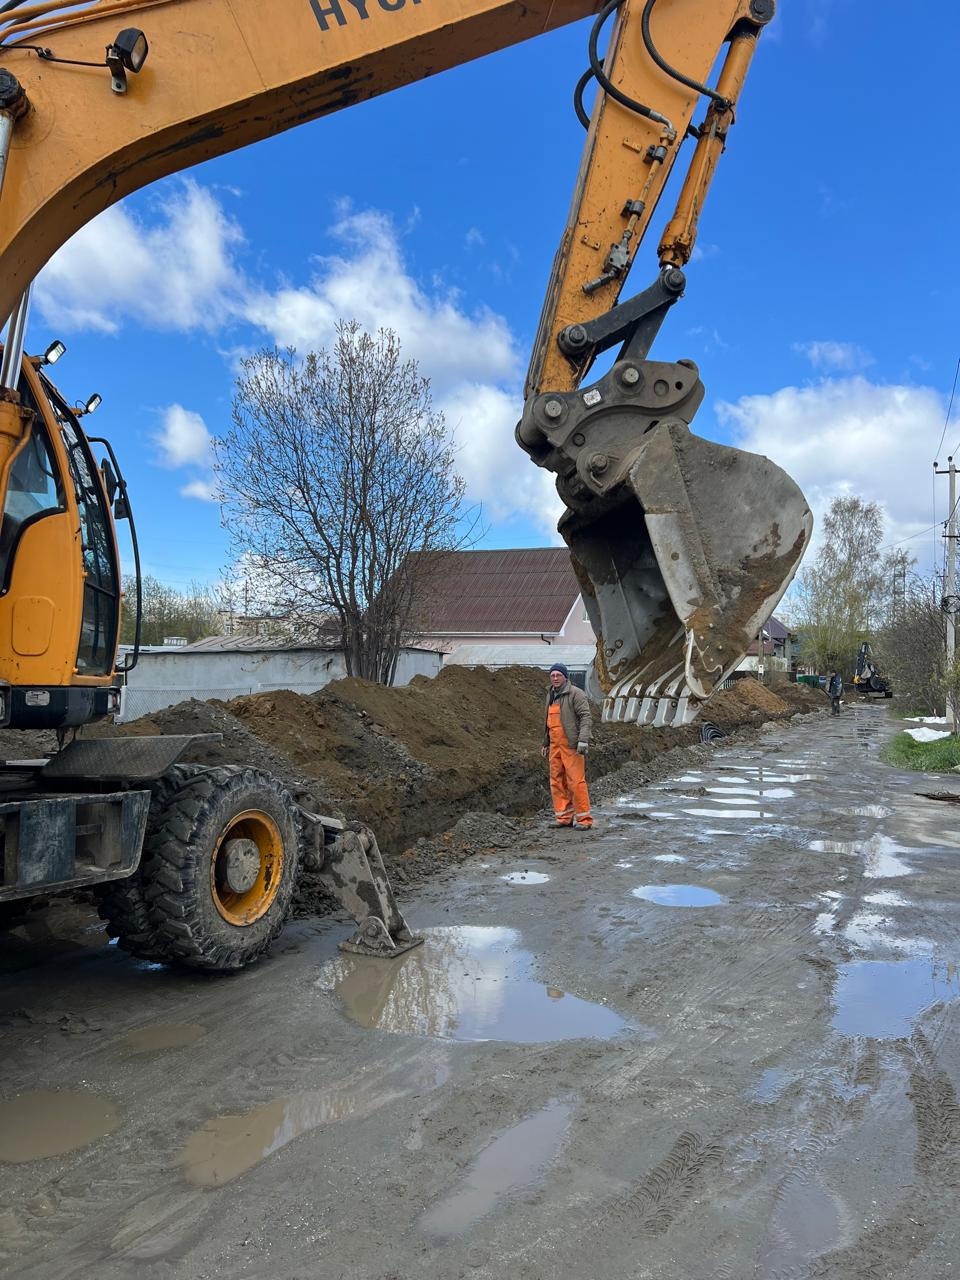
(683, 546)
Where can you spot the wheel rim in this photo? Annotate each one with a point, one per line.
(243, 908)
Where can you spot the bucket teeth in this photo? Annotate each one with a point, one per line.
(663, 708)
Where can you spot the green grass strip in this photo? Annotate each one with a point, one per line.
(932, 757)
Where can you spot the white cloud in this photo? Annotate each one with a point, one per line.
(202, 490)
(183, 438)
(842, 357)
(181, 273)
(370, 283)
(177, 274)
(470, 357)
(849, 436)
(498, 474)
(474, 239)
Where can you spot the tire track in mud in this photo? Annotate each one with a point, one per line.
(95, 1217)
(885, 1250)
(645, 1212)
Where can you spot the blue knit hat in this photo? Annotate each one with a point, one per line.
(558, 666)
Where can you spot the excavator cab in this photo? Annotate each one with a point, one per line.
(60, 591)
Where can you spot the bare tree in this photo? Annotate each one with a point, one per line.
(846, 594)
(338, 485)
(192, 614)
(911, 649)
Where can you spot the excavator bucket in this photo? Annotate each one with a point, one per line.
(682, 569)
(683, 547)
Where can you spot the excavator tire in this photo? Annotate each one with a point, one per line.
(220, 864)
(122, 904)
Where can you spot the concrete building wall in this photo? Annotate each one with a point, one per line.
(163, 679)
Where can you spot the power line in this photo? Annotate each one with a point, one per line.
(910, 538)
(946, 421)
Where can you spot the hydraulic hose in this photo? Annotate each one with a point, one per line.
(597, 73)
(665, 66)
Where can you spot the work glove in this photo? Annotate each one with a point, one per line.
(582, 748)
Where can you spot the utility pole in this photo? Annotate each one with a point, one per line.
(950, 601)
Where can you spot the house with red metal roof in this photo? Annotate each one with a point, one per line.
(500, 608)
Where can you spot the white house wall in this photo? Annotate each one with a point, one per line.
(163, 679)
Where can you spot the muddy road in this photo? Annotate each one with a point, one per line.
(717, 1038)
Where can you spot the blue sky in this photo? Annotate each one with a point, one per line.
(821, 306)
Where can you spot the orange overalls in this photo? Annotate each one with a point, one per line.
(568, 780)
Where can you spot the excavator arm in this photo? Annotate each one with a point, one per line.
(682, 546)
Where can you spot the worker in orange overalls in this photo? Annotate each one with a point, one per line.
(567, 722)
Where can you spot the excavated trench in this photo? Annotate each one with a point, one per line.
(411, 762)
(440, 768)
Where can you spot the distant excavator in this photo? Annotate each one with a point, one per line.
(682, 546)
(867, 678)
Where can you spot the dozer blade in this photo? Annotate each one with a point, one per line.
(682, 569)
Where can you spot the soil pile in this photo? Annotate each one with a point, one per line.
(745, 700)
(412, 761)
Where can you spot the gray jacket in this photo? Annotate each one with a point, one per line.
(576, 715)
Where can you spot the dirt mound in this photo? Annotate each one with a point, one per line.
(745, 697)
(799, 697)
(457, 755)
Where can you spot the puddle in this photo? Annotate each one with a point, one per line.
(525, 877)
(46, 1123)
(227, 1146)
(667, 817)
(887, 898)
(668, 857)
(868, 811)
(879, 855)
(626, 802)
(809, 1221)
(731, 813)
(163, 1035)
(771, 1084)
(678, 895)
(724, 795)
(882, 998)
(624, 866)
(464, 983)
(516, 1160)
(729, 799)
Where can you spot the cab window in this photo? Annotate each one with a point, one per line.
(33, 491)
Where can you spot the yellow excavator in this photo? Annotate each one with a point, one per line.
(683, 547)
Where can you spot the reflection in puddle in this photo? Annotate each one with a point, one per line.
(808, 1221)
(868, 811)
(878, 853)
(725, 799)
(515, 1160)
(886, 898)
(624, 866)
(668, 857)
(771, 1084)
(464, 983)
(881, 998)
(163, 1035)
(525, 877)
(228, 1146)
(730, 813)
(46, 1123)
(724, 795)
(666, 817)
(678, 895)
